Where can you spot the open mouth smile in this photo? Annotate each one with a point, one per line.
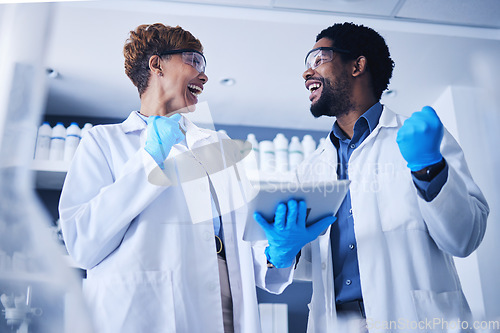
(315, 87)
(195, 90)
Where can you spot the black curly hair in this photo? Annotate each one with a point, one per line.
(363, 41)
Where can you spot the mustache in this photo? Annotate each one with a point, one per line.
(321, 79)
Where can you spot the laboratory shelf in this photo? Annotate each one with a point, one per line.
(50, 175)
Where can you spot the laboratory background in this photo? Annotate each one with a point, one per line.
(62, 72)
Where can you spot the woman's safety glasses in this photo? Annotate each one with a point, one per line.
(191, 57)
(317, 57)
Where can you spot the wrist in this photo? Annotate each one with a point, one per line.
(428, 173)
(278, 259)
(424, 161)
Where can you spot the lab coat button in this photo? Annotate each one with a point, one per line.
(348, 282)
(323, 265)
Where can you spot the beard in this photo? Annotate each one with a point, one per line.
(334, 100)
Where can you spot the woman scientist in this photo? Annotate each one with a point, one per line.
(144, 208)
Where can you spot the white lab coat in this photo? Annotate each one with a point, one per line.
(149, 247)
(405, 245)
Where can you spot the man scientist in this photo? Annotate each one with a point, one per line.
(387, 262)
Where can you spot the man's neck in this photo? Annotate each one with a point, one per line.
(348, 120)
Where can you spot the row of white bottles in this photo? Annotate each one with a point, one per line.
(279, 155)
(58, 143)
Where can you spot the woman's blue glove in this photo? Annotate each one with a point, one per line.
(419, 139)
(163, 133)
(288, 234)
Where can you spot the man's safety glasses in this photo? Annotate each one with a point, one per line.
(317, 57)
(191, 57)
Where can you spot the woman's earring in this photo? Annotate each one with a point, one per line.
(160, 74)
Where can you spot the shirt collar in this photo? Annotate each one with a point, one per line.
(138, 122)
(182, 121)
(372, 115)
(368, 119)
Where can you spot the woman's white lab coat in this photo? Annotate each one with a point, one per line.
(405, 245)
(147, 240)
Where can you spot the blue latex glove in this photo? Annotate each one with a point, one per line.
(419, 139)
(162, 134)
(288, 234)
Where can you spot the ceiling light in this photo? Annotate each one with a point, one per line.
(228, 81)
(52, 73)
(391, 93)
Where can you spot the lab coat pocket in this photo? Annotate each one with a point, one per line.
(441, 312)
(133, 302)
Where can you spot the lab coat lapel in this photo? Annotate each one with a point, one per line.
(195, 136)
(327, 271)
(192, 176)
(330, 151)
(387, 119)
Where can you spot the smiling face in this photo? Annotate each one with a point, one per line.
(330, 85)
(180, 84)
(167, 66)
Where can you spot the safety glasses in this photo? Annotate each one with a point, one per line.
(318, 56)
(190, 57)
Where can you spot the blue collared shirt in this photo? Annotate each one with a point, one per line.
(342, 237)
(343, 240)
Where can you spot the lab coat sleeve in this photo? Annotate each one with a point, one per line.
(456, 218)
(95, 208)
(273, 280)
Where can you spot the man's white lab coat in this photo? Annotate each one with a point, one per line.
(405, 244)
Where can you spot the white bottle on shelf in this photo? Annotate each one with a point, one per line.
(57, 141)
(85, 129)
(281, 152)
(321, 141)
(308, 145)
(295, 153)
(72, 140)
(42, 147)
(252, 150)
(222, 132)
(267, 158)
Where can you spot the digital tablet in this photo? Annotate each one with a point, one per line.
(322, 199)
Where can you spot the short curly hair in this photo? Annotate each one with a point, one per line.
(153, 39)
(363, 41)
